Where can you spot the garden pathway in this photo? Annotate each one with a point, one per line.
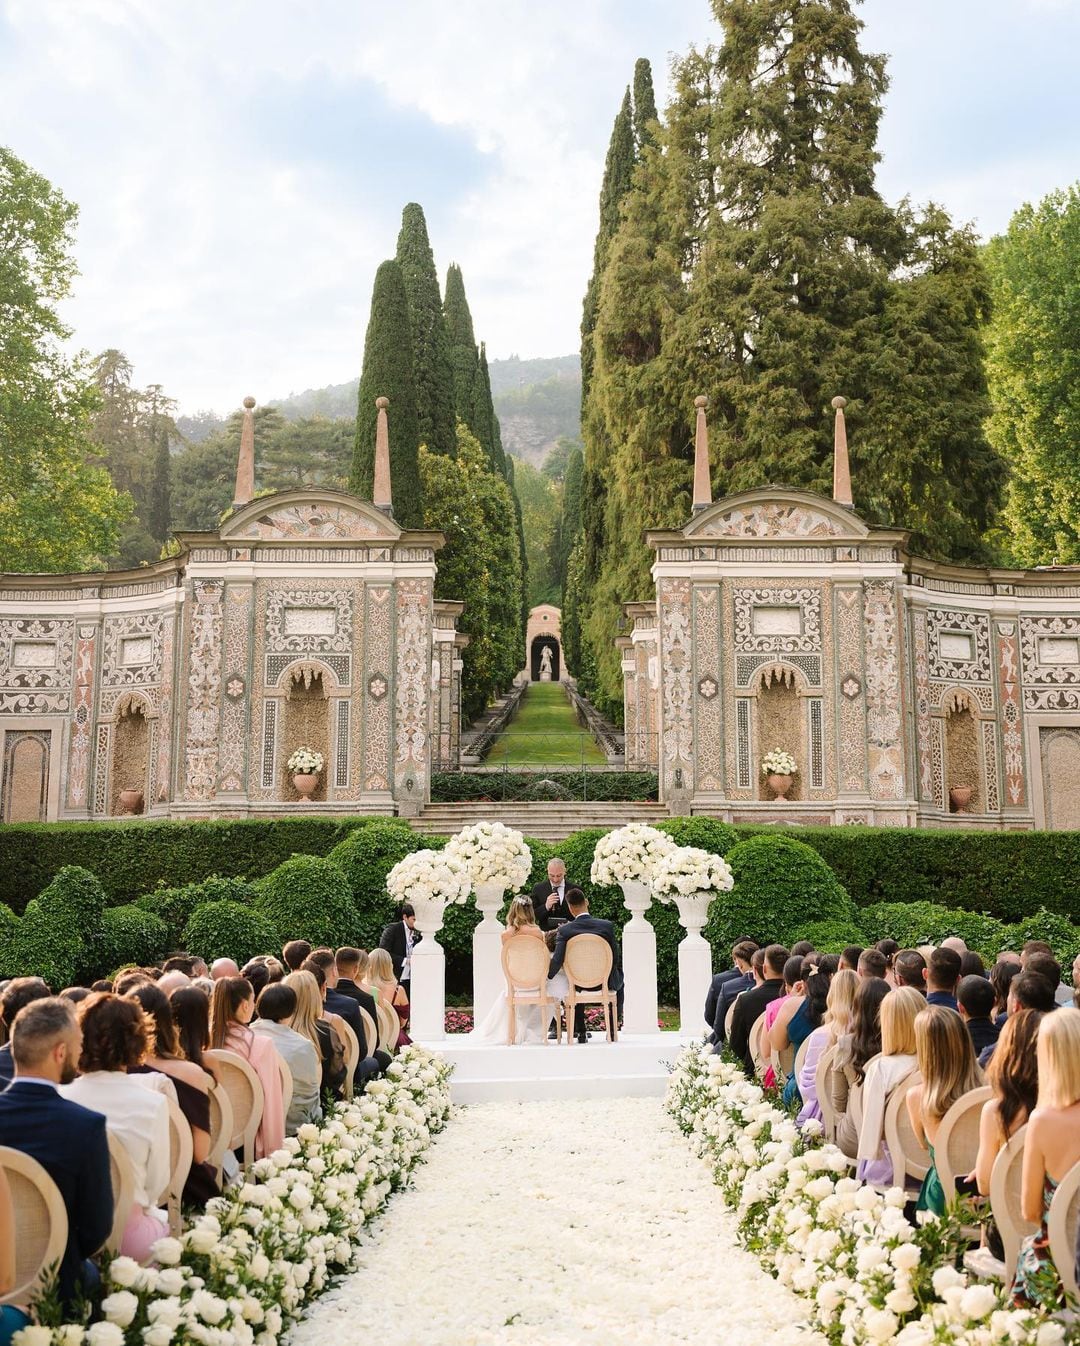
(545, 732)
(564, 1223)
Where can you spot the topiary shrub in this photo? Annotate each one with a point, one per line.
(546, 789)
(76, 899)
(833, 936)
(365, 857)
(781, 887)
(9, 923)
(130, 935)
(227, 929)
(45, 946)
(1057, 931)
(708, 834)
(915, 923)
(308, 898)
(176, 906)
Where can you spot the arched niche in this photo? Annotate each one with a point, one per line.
(130, 752)
(306, 710)
(26, 776)
(780, 717)
(963, 763)
(1060, 750)
(536, 658)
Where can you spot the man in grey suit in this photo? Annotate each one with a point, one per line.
(581, 923)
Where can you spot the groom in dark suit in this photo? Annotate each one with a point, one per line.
(581, 923)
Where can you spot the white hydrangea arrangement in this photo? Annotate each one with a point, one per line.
(306, 762)
(429, 876)
(243, 1272)
(493, 853)
(688, 869)
(777, 762)
(630, 854)
(870, 1274)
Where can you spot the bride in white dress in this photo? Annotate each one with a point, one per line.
(520, 920)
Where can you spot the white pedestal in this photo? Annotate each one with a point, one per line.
(488, 983)
(640, 1009)
(427, 989)
(695, 964)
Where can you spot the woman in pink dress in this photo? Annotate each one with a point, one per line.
(231, 1011)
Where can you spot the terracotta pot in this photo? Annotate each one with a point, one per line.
(305, 783)
(131, 801)
(779, 785)
(960, 797)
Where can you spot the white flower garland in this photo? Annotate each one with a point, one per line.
(871, 1274)
(425, 876)
(629, 854)
(244, 1271)
(493, 853)
(688, 869)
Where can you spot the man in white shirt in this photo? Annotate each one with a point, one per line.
(277, 1005)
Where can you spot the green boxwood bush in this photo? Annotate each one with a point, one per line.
(708, 834)
(365, 857)
(176, 906)
(9, 923)
(1062, 936)
(43, 946)
(226, 929)
(308, 898)
(915, 923)
(499, 786)
(833, 936)
(130, 935)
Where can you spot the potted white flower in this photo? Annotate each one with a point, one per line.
(629, 856)
(305, 765)
(496, 858)
(431, 881)
(692, 878)
(778, 767)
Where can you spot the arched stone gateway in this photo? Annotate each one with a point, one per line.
(543, 634)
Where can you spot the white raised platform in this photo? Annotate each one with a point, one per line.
(632, 1067)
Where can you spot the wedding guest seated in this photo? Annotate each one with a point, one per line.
(130, 977)
(872, 963)
(1034, 946)
(889, 948)
(790, 1001)
(255, 971)
(308, 1020)
(335, 1001)
(275, 969)
(13, 1317)
(19, 992)
(753, 1003)
(231, 1012)
(896, 1061)
(971, 965)
(172, 981)
(975, 1001)
(276, 1006)
(850, 957)
(103, 984)
(801, 948)
(118, 1036)
(741, 978)
(942, 974)
(955, 943)
(719, 980)
(839, 1008)
(1051, 1148)
(1002, 975)
(352, 968)
(909, 969)
(801, 1016)
(221, 968)
(75, 994)
(853, 1051)
(1046, 965)
(389, 991)
(582, 923)
(294, 953)
(68, 1141)
(1031, 990)
(190, 1082)
(180, 962)
(947, 1065)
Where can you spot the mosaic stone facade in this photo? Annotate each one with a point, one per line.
(895, 679)
(187, 678)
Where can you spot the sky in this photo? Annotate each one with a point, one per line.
(240, 165)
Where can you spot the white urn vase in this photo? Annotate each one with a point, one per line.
(695, 962)
(487, 949)
(427, 990)
(640, 1010)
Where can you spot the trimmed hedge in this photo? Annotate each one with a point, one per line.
(130, 936)
(915, 923)
(453, 787)
(227, 929)
(308, 898)
(176, 906)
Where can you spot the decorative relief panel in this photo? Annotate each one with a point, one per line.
(234, 711)
(746, 665)
(938, 728)
(922, 706)
(884, 721)
(414, 601)
(310, 621)
(81, 737)
(378, 656)
(341, 745)
(204, 691)
(709, 727)
(676, 665)
(1048, 686)
(990, 766)
(131, 650)
(743, 769)
(851, 708)
(165, 713)
(807, 598)
(311, 520)
(35, 654)
(1012, 719)
(101, 769)
(958, 645)
(771, 519)
(274, 665)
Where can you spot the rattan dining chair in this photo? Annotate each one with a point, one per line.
(525, 961)
(587, 963)
(41, 1225)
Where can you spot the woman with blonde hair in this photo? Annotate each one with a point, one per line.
(949, 1070)
(839, 1009)
(883, 1073)
(520, 924)
(1051, 1149)
(308, 1020)
(231, 1010)
(387, 990)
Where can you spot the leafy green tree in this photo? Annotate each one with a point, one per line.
(309, 452)
(464, 360)
(161, 430)
(388, 372)
(567, 530)
(204, 473)
(58, 508)
(430, 341)
(540, 504)
(1033, 347)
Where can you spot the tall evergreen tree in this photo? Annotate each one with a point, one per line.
(430, 342)
(160, 431)
(464, 361)
(644, 104)
(388, 372)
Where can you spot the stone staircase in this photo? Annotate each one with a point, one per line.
(546, 821)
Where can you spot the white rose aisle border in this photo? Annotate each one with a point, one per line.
(869, 1274)
(243, 1272)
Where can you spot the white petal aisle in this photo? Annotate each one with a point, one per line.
(559, 1222)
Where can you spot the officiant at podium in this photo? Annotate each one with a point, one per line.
(549, 897)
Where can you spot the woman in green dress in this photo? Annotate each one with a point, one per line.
(949, 1070)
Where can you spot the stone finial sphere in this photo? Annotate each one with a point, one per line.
(839, 403)
(382, 403)
(701, 401)
(249, 402)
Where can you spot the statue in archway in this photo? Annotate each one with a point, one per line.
(545, 664)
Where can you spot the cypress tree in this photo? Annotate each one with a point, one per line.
(388, 372)
(430, 342)
(644, 104)
(160, 506)
(464, 362)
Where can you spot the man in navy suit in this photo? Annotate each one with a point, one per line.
(581, 923)
(68, 1141)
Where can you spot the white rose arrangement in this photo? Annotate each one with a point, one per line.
(688, 869)
(306, 762)
(777, 762)
(430, 876)
(630, 854)
(493, 853)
